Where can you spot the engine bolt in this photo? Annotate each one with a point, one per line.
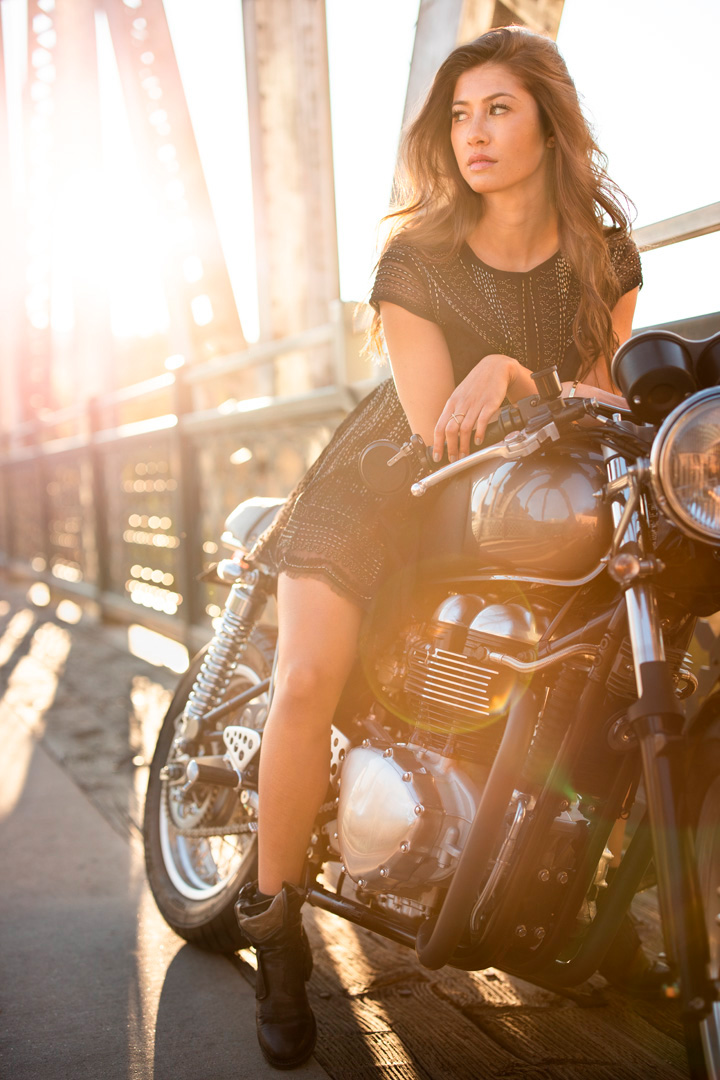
(521, 931)
(335, 836)
(404, 847)
(366, 743)
(407, 777)
(543, 875)
(539, 933)
(362, 883)
(384, 872)
(343, 868)
(173, 771)
(419, 809)
(562, 877)
(388, 752)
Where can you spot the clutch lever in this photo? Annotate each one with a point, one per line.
(513, 447)
(544, 426)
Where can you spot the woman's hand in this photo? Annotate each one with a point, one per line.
(476, 400)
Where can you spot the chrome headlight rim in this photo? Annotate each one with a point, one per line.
(661, 448)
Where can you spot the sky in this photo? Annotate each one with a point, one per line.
(648, 80)
(649, 83)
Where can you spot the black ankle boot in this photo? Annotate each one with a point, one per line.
(627, 966)
(285, 1023)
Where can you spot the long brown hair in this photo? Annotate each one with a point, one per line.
(436, 209)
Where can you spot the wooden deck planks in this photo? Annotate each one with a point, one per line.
(381, 1016)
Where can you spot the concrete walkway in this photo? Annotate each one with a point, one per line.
(92, 982)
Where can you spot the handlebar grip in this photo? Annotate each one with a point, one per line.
(508, 420)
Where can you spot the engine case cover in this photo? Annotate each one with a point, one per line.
(403, 816)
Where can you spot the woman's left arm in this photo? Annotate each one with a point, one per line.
(597, 382)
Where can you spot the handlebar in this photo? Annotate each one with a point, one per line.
(529, 412)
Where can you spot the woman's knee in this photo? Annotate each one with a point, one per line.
(303, 682)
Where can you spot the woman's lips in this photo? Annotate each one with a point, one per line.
(477, 164)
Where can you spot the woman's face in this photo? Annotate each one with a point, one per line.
(496, 132)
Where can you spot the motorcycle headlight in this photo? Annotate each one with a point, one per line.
(685, 465)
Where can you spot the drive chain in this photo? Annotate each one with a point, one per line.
(204, 832)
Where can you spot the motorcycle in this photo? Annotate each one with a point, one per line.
(521, 686)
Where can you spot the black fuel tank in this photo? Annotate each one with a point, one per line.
(538, 516)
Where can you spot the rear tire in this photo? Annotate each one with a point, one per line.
(195, 882)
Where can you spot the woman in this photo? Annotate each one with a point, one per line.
(499, 263)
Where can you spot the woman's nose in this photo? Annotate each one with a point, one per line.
(477, 132)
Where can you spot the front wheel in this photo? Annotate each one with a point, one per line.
(195, 880)
(704, 1038)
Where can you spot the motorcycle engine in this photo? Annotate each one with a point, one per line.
(405, 810)
(403, 816)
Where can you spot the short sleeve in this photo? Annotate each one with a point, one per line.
(402, 278)
(625, 259)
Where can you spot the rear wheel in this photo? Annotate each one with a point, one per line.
(195, 880)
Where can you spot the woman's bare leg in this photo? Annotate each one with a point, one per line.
(317, 634)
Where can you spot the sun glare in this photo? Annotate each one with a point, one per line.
(157, 649)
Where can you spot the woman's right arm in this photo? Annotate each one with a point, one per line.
(421, 366)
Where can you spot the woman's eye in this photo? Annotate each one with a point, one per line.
(458, 114)
(496, 105)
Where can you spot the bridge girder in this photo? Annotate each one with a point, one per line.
(443, 24)
(286, 61)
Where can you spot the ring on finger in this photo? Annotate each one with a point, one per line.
(457, 417)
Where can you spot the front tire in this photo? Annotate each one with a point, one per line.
(703, 1039)
(195, 881)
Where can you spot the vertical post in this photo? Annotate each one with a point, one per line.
(293, 190)
(203, 310)
(34, 374)
(11, 296)
(97, 527)
(81, 206)
(443, 24)
(185, 507)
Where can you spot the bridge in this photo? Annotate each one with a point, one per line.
(121, 454)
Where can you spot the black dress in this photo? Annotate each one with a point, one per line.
(332, 527)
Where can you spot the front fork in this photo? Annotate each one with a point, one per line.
(658, 724)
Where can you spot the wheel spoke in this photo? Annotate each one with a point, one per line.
(201, 867)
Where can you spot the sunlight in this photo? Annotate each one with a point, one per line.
(31, 691)
(68, 611)
(39, 594)
(157, 649)
(18, 746)
(15, 631)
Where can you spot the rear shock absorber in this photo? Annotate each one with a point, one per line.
(243, 607)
